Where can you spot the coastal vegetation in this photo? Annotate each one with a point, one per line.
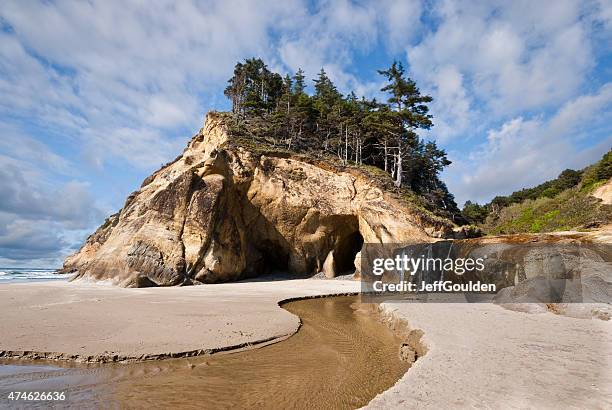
(381, 137)
(559, 204)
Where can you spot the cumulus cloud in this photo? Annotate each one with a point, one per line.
(123, 70)
(38, 213)
(524, 152)
(336, 31)
(22, 240)
(605, 13)
(71, 203)
(451, 98)
(504, 53)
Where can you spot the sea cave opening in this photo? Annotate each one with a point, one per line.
(275, 257)
(346, 251)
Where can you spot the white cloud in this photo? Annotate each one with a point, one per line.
(39, 214)
(400, 21)
(581, 110)
(144, 147)
(123, 69)
(328, 38)
(17, 147)
(162, 112)
(27, 192)
(605, 13)
(337, 30)
(453, 100)
(23, 240)
(525, 152)
(512, 57)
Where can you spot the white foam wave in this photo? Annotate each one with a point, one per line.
(29, 274)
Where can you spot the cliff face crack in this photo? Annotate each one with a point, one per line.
(182, 243)
(181, 232)
(354, 190)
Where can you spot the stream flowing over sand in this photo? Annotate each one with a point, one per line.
(341, 357)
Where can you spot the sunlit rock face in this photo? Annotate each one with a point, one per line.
(223, 212)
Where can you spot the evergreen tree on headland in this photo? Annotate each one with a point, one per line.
(253, 88)
(411, 110)
(355, 130)
(299, 84)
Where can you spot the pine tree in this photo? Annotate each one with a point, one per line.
(299, 84)
(280, 119)
(411, 109)
(236, 88)
(302, 119)
(325, 91)
(253, 88)
(325, 97)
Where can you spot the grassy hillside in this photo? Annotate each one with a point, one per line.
(572, 208)
(560, 204)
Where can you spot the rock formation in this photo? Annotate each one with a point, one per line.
(223, 211)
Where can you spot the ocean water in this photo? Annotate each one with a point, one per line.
(11, 275)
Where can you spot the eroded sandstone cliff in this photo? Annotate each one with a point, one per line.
(223, 212)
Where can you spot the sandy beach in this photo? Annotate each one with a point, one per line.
(485, 356)
(477, 354)
(93, 321)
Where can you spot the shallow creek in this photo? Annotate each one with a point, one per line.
(341, 357)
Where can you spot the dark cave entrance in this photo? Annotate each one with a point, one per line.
(345, 252)
(274, 257)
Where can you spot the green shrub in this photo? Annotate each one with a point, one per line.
(604, 168)
(571, 209)
(597, 174)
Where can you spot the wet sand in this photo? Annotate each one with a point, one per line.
(340, 358)
(92, 322)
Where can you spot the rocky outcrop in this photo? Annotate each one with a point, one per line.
(223, 212)
(567, 272)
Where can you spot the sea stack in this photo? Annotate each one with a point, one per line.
(228, 209)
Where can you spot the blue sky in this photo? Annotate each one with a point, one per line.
(96, 95)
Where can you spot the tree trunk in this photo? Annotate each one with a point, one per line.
(398, 179)
(345, 145)
(360, 152)
(386, 156)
